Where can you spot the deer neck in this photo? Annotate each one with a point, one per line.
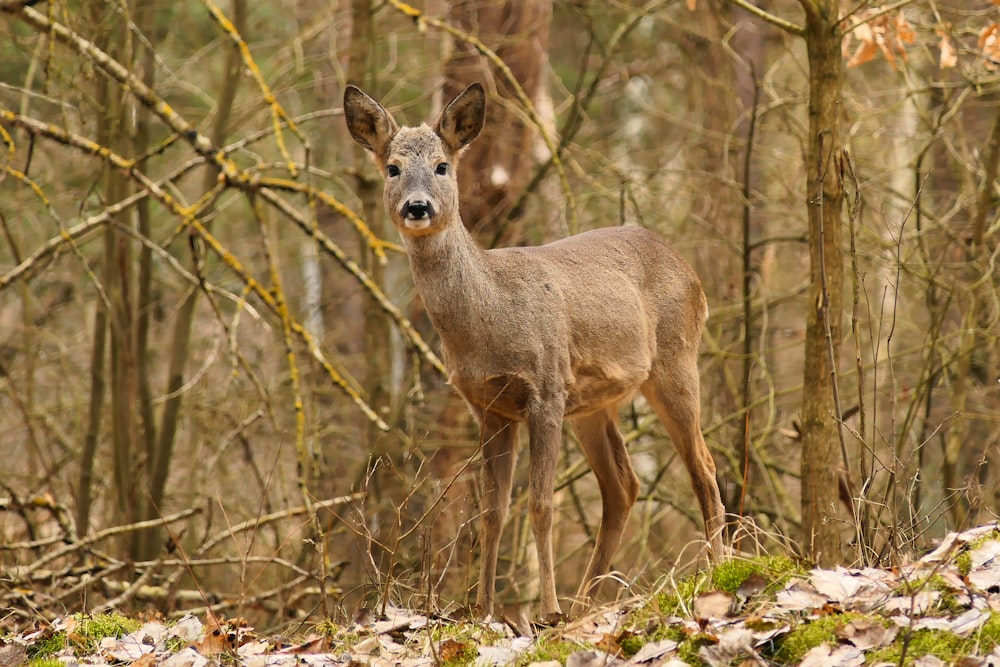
(451, 273)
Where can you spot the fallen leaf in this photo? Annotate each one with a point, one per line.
(186, 658)
(752, 585)
(736, 644)
(214, 641)
(826, 656)
(147, 660)
(799, 595)
(450, 650)
(864, 634)
(969, 622)
(13, 654)
(188, 629)
(714, 604)
(928, 661)
(505, 653)
(591, 659)
(654, 650)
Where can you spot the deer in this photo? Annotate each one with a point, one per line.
(538, 335)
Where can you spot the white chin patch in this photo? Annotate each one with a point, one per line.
(417, 223)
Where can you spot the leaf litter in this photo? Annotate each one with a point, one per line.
(954, 589)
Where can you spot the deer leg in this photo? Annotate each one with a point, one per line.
(499, 442)
(673, 393)
(604, 448)
(545, 429)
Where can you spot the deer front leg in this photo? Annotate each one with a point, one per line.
(499, 442)
(545, 430)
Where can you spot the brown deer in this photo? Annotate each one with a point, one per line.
(539, 334)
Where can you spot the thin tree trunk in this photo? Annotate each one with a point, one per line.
(821, 457)
(180, 348)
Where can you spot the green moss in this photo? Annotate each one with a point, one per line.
(48, 646)
(48, 661)
(989, 633)
(554, 647)
(963, 561)
(808, 636)
(729, 575)
(945, 645)
(90, 630)
(688, 649)
(948, 600)
(630, 645)
(678, 601)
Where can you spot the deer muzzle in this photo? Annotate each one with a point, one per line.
(417, 210)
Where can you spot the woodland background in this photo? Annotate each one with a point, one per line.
(217, 387)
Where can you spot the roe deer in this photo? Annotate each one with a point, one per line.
(539, 334)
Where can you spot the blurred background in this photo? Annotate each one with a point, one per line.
(218, 388)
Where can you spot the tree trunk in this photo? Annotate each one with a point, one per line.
(180, 345)
(820, 424)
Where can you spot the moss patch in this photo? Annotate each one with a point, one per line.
(809, 635)
(729, 575)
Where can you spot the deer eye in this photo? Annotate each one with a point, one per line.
(392, 170)
(442, 169)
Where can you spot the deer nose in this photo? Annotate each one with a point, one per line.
(418, 209)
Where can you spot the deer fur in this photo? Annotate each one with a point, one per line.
(539, 334)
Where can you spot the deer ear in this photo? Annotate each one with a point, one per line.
(369, 124)
(463, 118)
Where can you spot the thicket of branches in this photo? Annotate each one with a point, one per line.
(217, 388)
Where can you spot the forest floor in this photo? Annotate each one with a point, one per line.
(942, 609)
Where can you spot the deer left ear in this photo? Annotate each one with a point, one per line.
(462, 120)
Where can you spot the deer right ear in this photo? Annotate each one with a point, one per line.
(369, 124)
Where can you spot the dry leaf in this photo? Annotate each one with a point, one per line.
(989, 45)
(654, 650)
(841, 656)
(881, 34)
(752, 585)
(215, 641)
(904, 31)
(864, 634)
(737, 644)
(714, 604)
(450, 650)
(147, 660)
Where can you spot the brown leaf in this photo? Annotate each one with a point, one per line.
(146, 660)
(949, 58)
(989, 44)
(752, 585)
(864, 634)
(865, 52)
(826, 656)
(904, 31)
(13, 655)
(215, 641)
(714, 604)
(314, 644)
(450, 650)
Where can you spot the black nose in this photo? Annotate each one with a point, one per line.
(417, 209)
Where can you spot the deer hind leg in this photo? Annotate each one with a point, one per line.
(672, 390)
(499, 442)
(604, 447)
